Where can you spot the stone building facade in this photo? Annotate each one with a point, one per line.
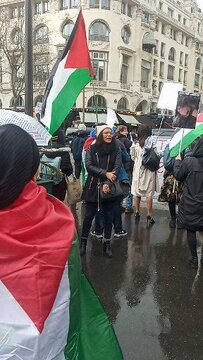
(135, 47)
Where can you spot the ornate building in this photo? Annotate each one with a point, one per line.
(135, 47)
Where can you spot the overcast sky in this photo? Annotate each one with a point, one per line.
(200, 4)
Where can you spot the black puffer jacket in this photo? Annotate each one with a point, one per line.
(97, 165)
(190, 170)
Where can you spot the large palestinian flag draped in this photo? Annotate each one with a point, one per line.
(48, 310)
(69, 76)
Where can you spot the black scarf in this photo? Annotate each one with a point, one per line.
(105, 148)
(19, 161)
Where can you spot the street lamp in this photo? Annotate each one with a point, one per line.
(28, 59)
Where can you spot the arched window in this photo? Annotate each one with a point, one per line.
(38, 99)
(198, 64)
(16, 36)
(67, 28)
(171, 54)
(41, 35)
(122, 104)
(17, 102)
(148, 42)
(97, 101)
(125, 34)
(99, 31)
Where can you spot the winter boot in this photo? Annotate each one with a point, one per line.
(83, 246)
(107, 249)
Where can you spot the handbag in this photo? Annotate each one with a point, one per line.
(114, 193)
(74, 190)
(150, 160)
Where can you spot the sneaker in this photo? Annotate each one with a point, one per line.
(98, 236)
(121, 233)
(129, 210)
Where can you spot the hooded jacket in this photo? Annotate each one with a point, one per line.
(190, 170)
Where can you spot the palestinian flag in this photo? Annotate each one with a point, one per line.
(49, 310)
(69, 76)
(184, 137)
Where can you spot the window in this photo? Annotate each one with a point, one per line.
(156, 49)
(198, 64)
(145, 74)
(184, 21)
(41, 69)
(171, 55)
(0, 104)
(41, 35)
(64, 4)
(198, 28)
(17, 36)
(99, 31)
(180, 76)
(67, 29)
(100, 65)
(160, 86)
(163, 46)
(181, 58)
(161, 69)
(94, 3)
(155, 67)
(14, 12)
(38, 99)
(170, 12)
(197, 46)
(145, 17)
(197, 79)
(163, 29)
(179, 17)
(122, 104)
(160, 5)
(187, 41)
(125, 34)
(185, 78)
(170, 75)
(38, 8)
(97, 101)
(41, 6)
(21, 11)
(105, 4)
(126, 9)
(45, 6)
(186, 59)
(124, 69)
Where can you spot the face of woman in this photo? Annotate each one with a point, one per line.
(124, 132)
(107, 136)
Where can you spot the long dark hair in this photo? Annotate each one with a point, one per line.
(100, 140)
(143, 133)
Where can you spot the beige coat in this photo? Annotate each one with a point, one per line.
(144, 181)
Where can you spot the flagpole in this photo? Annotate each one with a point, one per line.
(28, 59)
(83, 105)
(95, 104)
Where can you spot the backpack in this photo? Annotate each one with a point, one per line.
(50, 169)
(167, 160)
(76, 148)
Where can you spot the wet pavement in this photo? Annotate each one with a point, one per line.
(152, 295)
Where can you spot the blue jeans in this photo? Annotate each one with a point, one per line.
(91, 210)
(117, 220)
(128, 202)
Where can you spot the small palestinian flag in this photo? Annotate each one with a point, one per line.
(69, 76)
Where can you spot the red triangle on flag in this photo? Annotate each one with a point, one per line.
(78, 55)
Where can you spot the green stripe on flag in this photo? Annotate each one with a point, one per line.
(66, 98)
(95, 338)
(187, 140)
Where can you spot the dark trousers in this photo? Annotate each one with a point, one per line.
(91, 210)
(172, 209)
(78, 168)
(117, 219)
(192, 242)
